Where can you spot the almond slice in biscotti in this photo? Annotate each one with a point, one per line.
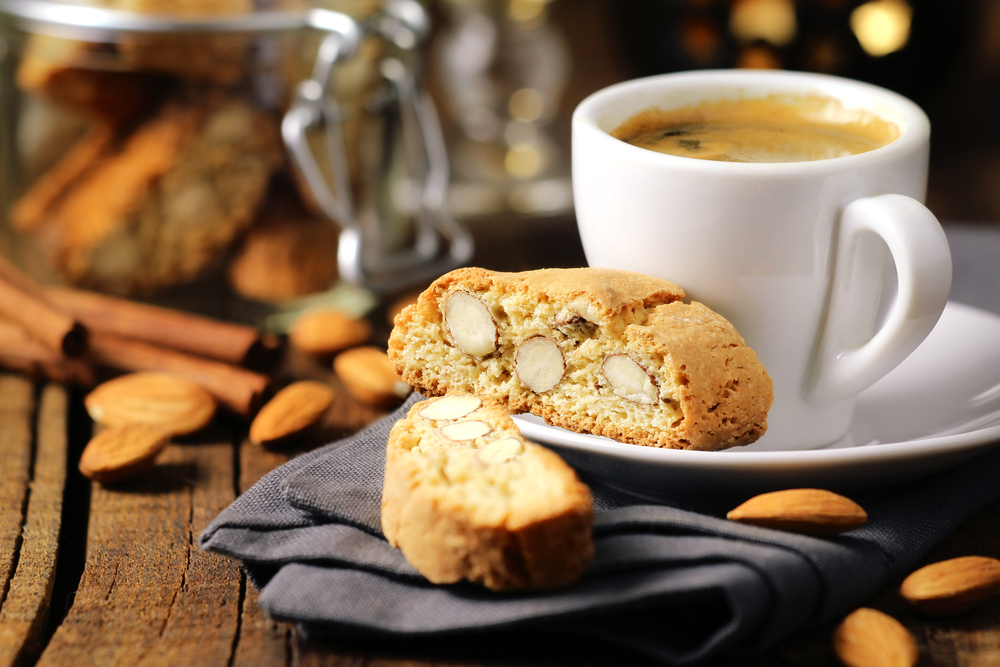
(602, 351)
(488, 507)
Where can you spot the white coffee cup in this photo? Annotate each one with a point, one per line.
(793, 253)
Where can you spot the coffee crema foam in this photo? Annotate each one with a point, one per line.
(777, 128)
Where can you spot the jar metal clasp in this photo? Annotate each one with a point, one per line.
(361, 259)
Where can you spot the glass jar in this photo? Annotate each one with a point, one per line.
(219, 154)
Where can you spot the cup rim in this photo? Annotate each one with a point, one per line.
(914, 129)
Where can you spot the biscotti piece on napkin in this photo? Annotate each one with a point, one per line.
(603, 351)
(467, 498)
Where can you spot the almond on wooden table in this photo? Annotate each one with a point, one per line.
(327, 331)
(369, 376)
(870, 638)
(952, 586)
(294, 409)
(173, 403)
(120, 452)
(809, 511)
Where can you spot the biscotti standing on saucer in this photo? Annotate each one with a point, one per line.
(603, 351)
(467, 498)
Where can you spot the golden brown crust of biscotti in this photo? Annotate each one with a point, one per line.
(514, 524)
(606, 295)
(711, 391)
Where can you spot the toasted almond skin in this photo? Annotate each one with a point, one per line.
(869, 638)
(369, 376)
(173, 403)
(327, 331)
(120, 452)
(952, 586)
(294, 409)
(808, 511)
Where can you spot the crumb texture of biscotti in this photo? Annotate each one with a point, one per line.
(467, 498)
(602, 351)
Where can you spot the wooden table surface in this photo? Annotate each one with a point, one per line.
(113, 576)
(96, 576)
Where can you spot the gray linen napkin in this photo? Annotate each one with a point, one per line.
(676, 584)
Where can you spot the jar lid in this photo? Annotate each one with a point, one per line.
(74, 20)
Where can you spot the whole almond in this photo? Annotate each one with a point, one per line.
(369, 376)
(327, 331)
(869, 638)
(809, 511)
(173, 403)
(294, 409)
(120, 452)
(952, 586)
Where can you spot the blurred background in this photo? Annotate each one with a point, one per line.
(233, 209)
(943, 55)
(497, 69)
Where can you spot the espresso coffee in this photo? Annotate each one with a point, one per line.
(767, 129)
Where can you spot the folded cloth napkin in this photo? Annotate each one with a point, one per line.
(675, 584)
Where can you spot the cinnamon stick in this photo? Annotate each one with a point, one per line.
(237, 388)
(203, 336)
(24, 302)
(20, 352)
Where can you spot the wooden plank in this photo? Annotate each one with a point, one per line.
(148, 595)
(261, 642)
(318, 654)
(201, 627)
(16, 407)
(26, 608)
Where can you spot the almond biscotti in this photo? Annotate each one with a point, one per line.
(467, 498)
(603, 351)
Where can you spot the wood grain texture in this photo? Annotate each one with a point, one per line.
(26, 607)
(261, 641)
(148, 595)
(16, 408)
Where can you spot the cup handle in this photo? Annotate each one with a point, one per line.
(848, 357)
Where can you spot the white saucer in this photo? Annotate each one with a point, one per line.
(938, 408)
